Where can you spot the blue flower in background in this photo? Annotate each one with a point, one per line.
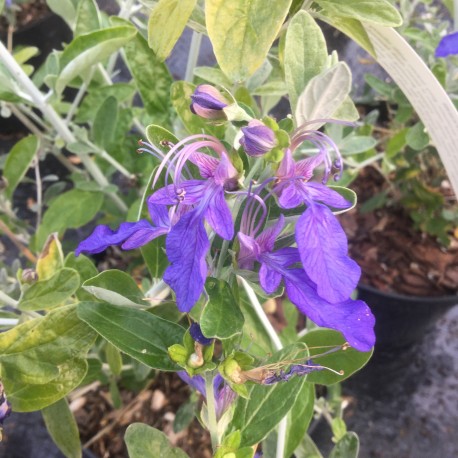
(448, 45)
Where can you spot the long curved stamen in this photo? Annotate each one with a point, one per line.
(176, 148)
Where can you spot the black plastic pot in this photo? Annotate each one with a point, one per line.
(402, 320)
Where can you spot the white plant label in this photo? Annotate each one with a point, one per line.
(424, 92)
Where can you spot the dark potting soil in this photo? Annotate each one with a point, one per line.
(27, 13)
(394, 257)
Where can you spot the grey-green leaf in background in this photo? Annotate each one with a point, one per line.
(323, 95)
(347, 447)
(18, 161)
(43, 359)
(152, 78)
(65, 9)
(213, 75)
(71, 209)
(380, 12)
(221, 317)
(305, 54)
(115, 287)
(51, 292)
(62, 427)
(89, 49)
(87, 17)
(140, 334)
(166, 23)
(242, 32)
(144, 441)
(267, 405)
(103, 128)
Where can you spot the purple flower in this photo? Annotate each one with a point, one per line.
(353, 318)
(320, 238)
(128, 235)
(224, 396)
(207, 102)
(196, 334)
(295, 369)
(187, 243)
(448, 45)
(258, 139)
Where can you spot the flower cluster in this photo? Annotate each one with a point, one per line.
(287, 231)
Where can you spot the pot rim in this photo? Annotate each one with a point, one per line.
(405, 297)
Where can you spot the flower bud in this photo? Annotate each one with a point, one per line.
(208, 102)
(5, 408)
(29, 276)
(258, 139)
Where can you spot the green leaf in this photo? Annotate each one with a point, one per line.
(145, 441)
(185, 414)
(65, 9)
(242, 32)
(307, 449)
(306, 54)
(18, 162)
(71, 209)
(87, 17)
(213, 75)
(49, 293)
(181, 92)
(166, 23)
(396, 144)
(267, 405)
(114, 358)
(356, 144)
(347, 447)
(115, 287)
(349, 360)
(89, 49)
(324, 94)
(51, 258)
(42, 360)
(347, 111)
(86, 269)
(157, 136)
(221, 318)
(103, 128)
(352, 28)
(137, 333)
(154, 255)
(416, 137)
(299, 418)
(62, 427)
(380, 12)
(152, 78)
(2, 5)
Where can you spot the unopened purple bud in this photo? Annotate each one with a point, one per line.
(196, 334)
(208, 102)
(258, 139)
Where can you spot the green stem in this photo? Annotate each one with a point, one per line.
(7, 299)
(211, 411)
(282, 427)
(193, 56)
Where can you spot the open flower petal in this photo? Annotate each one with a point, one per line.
(218, 215)
(320, 193)
(186, 246)
(323, 249)
(134, 234)
(352, 318)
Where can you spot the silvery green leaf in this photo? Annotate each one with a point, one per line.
(323, 95)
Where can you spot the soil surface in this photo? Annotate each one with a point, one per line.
(26, 14)
(393, 256)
